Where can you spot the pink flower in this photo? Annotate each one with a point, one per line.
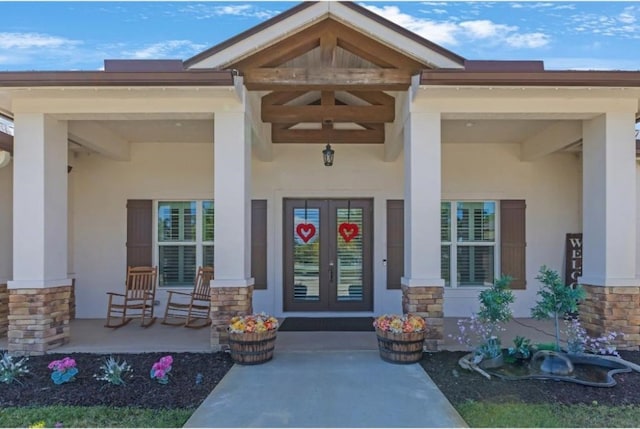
(159, 373)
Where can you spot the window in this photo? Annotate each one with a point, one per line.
(184, 240)
(469, 250)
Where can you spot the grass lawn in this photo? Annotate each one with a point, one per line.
(65, 416)
(479, 414)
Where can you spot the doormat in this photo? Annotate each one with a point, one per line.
(331, 324)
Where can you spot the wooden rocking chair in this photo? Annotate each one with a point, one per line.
(137, 301)
(191, 309)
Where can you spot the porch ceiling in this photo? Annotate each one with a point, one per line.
(182, 130)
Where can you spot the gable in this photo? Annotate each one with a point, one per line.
(290, 23)
(327, 71)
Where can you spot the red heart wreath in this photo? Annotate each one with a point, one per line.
(306, 231)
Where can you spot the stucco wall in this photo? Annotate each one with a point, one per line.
(101, 189)
(6, 223)
(551, 187)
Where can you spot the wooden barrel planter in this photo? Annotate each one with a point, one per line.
(252, 348)
(401, 348)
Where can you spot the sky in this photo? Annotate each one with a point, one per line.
(579, 35)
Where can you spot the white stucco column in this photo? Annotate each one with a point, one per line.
(40, 291)
(422, 285)
(232, 187)
(39, 202)
(609, 200)
(422, 195)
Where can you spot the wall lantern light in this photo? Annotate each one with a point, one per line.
(327, 155)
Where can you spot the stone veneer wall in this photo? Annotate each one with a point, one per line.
(613, 309)
(227, 302)
(4, 310)
(427, 301)
(38, 319)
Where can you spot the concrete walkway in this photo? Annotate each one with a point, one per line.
(328, 389)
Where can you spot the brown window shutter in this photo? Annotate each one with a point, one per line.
(259, 243)
(513, 241)
(139, 233)
(395, 243)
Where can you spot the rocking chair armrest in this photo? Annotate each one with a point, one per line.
(116, 294)
(171, 292)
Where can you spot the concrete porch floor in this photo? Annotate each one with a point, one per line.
(89, 335)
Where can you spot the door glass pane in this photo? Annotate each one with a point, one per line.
(306, 254)
(349, 253)
(475, 265)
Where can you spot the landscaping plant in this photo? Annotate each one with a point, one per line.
(114, 371)
(556, 299)
(521, 348)
(481, 331)
(64, 370)
(10, 370)
(161, 369)
(578, 341)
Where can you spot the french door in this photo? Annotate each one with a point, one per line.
(328, 255)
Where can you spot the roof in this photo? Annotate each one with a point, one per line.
(143, 77)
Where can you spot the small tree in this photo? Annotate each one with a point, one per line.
(484, 327)
(495, 304)
(556, 299)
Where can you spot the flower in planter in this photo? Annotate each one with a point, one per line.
(261, 322)
(64, 370)
(161, 369)
(398, 324)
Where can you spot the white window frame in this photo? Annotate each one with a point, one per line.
(199, 242)
(453, 243)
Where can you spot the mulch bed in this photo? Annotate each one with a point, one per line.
(460, 385)
(183, 390)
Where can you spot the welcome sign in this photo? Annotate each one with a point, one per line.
(573, 265)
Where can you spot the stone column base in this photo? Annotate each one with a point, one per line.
(38, 319)
(427, 301)
(4, 310)
(227, 302)
(612, 309)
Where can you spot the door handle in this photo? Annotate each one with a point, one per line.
(331, 271)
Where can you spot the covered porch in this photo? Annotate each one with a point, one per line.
(89, 336)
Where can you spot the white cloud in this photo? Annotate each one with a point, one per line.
(531, 40)
(166, 49)
(483, 29)
(206, 11)
(437, 32)
(624, 24)
(33, 40)
(452, 32)
(580, 63)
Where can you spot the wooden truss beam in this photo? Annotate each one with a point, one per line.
(358, 114)
(328, 79)
(326, 135)
(281, 97)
